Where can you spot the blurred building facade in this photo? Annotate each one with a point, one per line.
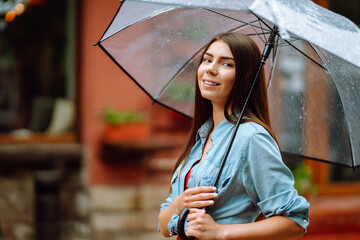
(61, 177)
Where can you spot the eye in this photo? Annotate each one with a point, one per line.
(227, 64)
(208, 60)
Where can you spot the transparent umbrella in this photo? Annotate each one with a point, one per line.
(313, 69)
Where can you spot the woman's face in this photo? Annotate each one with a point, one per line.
(216, 73)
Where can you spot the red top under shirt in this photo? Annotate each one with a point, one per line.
(187, 177)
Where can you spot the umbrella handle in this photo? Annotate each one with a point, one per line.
(181, 225)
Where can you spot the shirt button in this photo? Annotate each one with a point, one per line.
(305, 221)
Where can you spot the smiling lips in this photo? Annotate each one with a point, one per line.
(210, 83)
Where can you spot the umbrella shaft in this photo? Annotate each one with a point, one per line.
(268, 47)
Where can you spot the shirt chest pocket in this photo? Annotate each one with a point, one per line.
(222, 185)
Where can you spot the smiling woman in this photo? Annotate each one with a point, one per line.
(253, 180)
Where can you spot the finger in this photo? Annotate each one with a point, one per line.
(193, 223)
(190, 233)
(201, 197)
(203, 189)
(192, 217)
(196, 210)
(199, 204)
(199, 200)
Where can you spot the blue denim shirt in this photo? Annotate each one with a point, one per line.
(254, 179)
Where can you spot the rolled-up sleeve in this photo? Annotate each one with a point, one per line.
(172, 225)
(270, 183)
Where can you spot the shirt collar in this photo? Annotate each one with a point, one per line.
(205, 129)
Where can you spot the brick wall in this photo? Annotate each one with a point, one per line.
(43, 192)
(17, 205)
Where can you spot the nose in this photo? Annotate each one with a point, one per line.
(211, 69)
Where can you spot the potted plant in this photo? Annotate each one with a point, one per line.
(304, 180)
(125, 125)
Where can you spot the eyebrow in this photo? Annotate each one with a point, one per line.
(222, 57)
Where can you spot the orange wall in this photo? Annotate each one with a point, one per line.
(102, 84)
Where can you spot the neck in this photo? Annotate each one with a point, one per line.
(218, 114)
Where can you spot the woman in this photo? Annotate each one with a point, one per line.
(254, 179)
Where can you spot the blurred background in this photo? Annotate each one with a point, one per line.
(84, 155)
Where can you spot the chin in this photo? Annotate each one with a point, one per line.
(207, 96)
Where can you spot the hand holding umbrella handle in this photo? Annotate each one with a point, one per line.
(181, 225)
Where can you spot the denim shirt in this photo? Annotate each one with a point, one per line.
(253, 180)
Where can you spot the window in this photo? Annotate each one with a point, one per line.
(37, 69)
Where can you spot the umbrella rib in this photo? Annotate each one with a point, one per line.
(290, 41)
(275, 49)
(305, 54)
(312, 47)
(138, 21)
(265, 40)
(236, 19)
(274, 59)
(258, 34)
(351, 148)
(319, 160)
(260, 20)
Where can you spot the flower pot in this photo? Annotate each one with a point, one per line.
(127, 131)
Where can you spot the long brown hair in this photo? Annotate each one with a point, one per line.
(247, 59)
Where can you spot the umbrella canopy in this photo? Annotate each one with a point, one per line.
(313, 71)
